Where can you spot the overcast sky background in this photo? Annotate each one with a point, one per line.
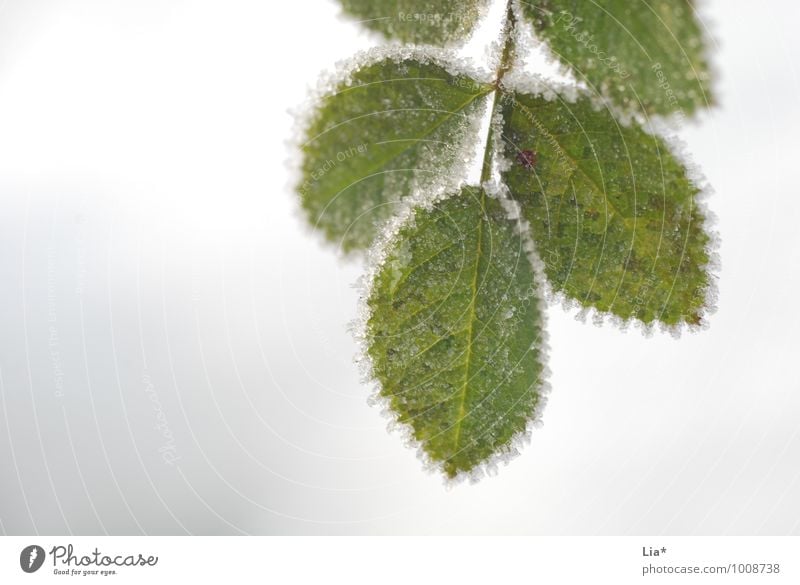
(174, 353)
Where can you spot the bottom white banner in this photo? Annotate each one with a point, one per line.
(355, 560)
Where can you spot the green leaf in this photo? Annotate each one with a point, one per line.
(394, 126)
(455, 330)
(646, 54)
(429, 22)
(613, 213)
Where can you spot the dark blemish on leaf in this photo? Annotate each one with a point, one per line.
(527, 158)
(694, 319)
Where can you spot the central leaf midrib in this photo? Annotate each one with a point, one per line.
(470, 329)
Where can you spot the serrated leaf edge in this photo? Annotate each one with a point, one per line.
(376, 257)
(654, 126)
(482, 9)
(330, 83)
(569, 72)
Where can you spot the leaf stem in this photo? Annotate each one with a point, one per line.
(506, 60)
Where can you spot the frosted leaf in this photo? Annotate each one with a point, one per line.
(644, 56)
(391, 127)
(614, 213)
(457, 351)
(433, 22)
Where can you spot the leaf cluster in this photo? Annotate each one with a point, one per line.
(578, 196)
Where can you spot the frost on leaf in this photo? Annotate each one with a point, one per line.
(454, 332)
(647, 55)
(394, 126)
(430, 22)
(614, 214)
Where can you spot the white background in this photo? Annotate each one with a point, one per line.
(159, 289)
